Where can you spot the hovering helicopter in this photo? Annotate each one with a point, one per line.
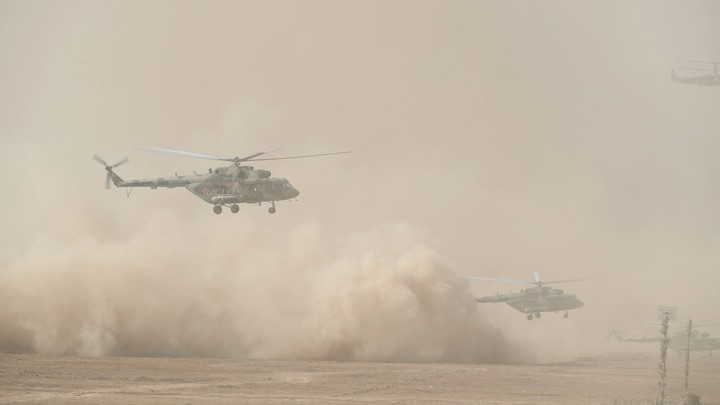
(223, 186)
(534, 301)
(710, 80)
(699, 341)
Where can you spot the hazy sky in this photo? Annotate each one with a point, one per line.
(505, 137)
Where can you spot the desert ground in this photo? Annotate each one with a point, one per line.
(618, 378)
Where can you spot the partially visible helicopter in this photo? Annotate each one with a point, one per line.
(710, 80)
(223, 186)
(534, 301)
(699, 341)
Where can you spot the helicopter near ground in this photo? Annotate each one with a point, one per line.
(701, 341)
(711, 79)
(533, 301)
(617, 378)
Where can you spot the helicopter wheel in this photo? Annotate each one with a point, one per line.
(272, 209)
(234, 208)
(566, 315)
(537, 315)
(530, 317)
(217, 209)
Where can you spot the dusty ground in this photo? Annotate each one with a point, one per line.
(598, 380)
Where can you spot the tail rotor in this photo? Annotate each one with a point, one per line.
(110, 167)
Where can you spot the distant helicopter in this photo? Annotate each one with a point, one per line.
(223, 186)
(534, 301)
(699, 341)
(710, 80)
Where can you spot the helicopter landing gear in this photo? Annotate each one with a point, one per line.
(217, 209)
(538, 315)
(530, 317)
(272, 209)
(234, 208)
(566, 315)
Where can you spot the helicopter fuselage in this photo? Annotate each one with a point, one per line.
(223, 186)
(533, 301)
(699, 341)
(702, 80)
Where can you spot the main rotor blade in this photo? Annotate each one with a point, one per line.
(571, 280)
(298, 157)
(655, 324)
(504, 280)
(181, 153)
(680, 324)
(698, 61)
(99, 159)
(537, 278)
(699, 69)
(246, 158)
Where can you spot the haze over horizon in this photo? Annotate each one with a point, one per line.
(489, 138)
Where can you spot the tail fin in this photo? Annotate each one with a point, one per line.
(674, 76)
(114, 177)
(110, 173)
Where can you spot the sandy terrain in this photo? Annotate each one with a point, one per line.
(599, 380)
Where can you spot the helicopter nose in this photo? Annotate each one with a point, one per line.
(294, 193)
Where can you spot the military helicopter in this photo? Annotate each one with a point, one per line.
(710, 80)
(534, 301)
(223, 186)
(699, 341)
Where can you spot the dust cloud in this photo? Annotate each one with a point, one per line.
(177, 289)
(490, 138)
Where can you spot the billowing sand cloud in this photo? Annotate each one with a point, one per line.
(175, 289)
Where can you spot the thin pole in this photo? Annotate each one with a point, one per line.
(687, 359)
(662, 368)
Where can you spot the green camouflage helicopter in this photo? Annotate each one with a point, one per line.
(223, 186)
(699, 341)
(534, 301)
(708, 79)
